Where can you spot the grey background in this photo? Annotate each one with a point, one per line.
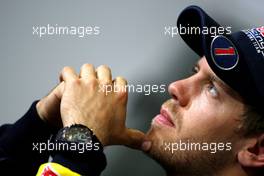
(131, 42)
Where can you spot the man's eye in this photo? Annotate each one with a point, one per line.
(213, 90)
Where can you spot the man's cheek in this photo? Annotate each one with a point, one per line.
(192, 129)
(199, 123)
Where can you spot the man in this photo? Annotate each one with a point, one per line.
(212, 125)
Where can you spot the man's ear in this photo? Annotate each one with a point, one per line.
(252, 155)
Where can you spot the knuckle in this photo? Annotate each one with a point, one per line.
(105, 82)
(120, 78)
(86, 65)
(66, 69)
(93, 82)
(122, 95)
(104, 67)
(76, 82)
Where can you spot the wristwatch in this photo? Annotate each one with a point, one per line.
(77, 140)
(77, 144)
(76, 133)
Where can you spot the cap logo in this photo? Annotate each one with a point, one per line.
(224, 53)
(256, 36)
(261, 30)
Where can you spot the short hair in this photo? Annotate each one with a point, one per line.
(252, 121)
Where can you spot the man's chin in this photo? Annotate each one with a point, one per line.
(154, 135)
(156, 151)
(159, 134)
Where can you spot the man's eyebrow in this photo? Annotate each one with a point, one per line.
(224, 86)
(221, 83)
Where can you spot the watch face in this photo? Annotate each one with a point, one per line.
(78, 134)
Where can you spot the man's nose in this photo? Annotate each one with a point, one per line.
(181, 91)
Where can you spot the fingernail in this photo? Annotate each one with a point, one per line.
(146, 145)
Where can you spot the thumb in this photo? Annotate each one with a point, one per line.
(133, 138)
(51, 103)
(48, 107)
(58, 91)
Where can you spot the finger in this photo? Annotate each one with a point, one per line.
(58, 90)
(55, 94)
(133, 138)
(104, 74)
(87, 71)
(120, 90)
(120, 84)
(68, 74)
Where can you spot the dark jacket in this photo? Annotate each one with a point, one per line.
(19, 153)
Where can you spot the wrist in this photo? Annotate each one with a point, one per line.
(100, 136)
(80, 141)
(68, 121)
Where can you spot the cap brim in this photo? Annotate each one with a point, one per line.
(192, 18)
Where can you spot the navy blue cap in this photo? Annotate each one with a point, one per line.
(236, 58)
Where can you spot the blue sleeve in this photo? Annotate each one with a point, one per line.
(19, 156)
(16, 144)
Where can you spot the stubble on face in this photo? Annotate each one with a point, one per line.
(186, 162)
(198, 116)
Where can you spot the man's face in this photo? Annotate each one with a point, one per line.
(202, 110)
